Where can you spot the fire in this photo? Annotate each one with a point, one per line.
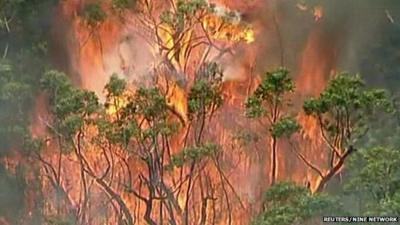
(177, 100)
(234, 30)
(318, 13)
(94, 58)
(118, 103)
(317, 63)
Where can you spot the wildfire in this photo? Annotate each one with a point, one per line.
(176, 98)
(316, 64)
(118, 103)
(231, 29)
(223, 26)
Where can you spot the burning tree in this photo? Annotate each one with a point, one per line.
(192, 32)
(144, 150)
(124, 150)
(269, 102)
(159, 149)
(343, 111)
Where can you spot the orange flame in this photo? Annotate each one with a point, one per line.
(234, 31)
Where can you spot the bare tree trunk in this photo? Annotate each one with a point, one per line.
(274, 161)
(334, 170)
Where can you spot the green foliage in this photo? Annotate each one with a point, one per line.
(69, 100)
(285, 127)
(15, 103)
(115, 87)
(55, 82)
(71, 106)
(194, 153)
(347, 92)
(274, 86)
(191, 6)
(180, 18)
(94, 15)
(375, 177)
(346, 105)
(244, 137)
(254, 107)
(121, 5)
(12, 188)
(205, 95)
(61, 220)
(151, 104)
(32, 144)
(24, 28)
(142, 118)
(12, 90)
(286, 204)
(123, 131)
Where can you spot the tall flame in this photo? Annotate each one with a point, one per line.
(95, 56)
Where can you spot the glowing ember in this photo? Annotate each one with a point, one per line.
(318, 13)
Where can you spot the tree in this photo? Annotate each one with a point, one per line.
(72, 109)
(374, 179)
(288, 204)
(186, 33)
(268, 103)
(136, 127)
(144, 127)
(343, 112)
(22, 60)
(24, 29)
(12, 202)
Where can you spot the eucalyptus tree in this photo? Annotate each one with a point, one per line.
(268, 104)
(374, 180)
(288, 204)
(344, 112)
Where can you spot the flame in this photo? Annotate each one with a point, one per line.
(316, 64)
(234, 31)
(90, 56)
(176, 98)
(318, 13)
(178, 101)
(117, 104)
(176, 48)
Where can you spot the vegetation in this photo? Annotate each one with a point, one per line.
(343, 112)
(375, 181)
(268, 102)
(132, 157)
(286, 204)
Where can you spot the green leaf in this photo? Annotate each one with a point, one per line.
(93, 14)
(205, 95)
(269, 93)
(348, 103)
(285, 127)
(194, 153)
(116, 86)
(286, 203)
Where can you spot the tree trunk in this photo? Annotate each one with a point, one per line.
(334, 170)
(274, 161)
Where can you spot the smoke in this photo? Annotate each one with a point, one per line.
(311, 37)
